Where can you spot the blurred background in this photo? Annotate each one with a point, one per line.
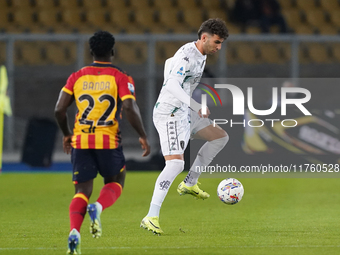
(43, 41)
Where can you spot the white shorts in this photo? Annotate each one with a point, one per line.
(175, 131)
(198, 123)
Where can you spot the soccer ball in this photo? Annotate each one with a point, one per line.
(230, 191)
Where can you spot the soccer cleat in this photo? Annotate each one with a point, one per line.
(95, 226)
(74, 242)
(194, 190)
(152, 224)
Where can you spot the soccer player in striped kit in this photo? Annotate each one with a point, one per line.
(100, 91)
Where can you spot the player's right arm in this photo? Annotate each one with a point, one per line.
(174, 80)
(60, 112)
(65, 99)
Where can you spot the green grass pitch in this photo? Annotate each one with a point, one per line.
(275, 216)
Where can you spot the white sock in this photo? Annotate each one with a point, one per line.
(204, 157)
(77, 233)
(166, 177)
(153, 210)
(99, 206)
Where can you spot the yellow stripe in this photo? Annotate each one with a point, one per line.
(121, 188)
(100, 62)
(81, 195)
(128, 96)
(84, 144)
(99, 141)
(67, 91)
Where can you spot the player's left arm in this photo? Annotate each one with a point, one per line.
(126, 91)
(133, 115)
(60, 112)
(174, 82)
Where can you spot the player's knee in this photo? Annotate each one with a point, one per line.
(221, 142)
(176, 164)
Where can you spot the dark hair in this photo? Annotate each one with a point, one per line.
(214, 27)
(101, 43)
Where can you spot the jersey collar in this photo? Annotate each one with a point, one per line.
(197, 51)
(103, 63)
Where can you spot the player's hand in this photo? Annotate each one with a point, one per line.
(145, 146)
(67, 144)
(205, 115)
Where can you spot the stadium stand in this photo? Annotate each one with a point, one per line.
(164, 16)
(328, 29)
(21, 4)
(318, 53)
(115, 4)
(253, 30)
(2, 53)
(92, 5)
(270, 53)
(316, 18)
(231, 54)
(28, 53)
(45, 4)
(335, 48)
(3, 4)
(187, 4)
(69, 4)
(24, 20)
(97, 18)
(165, 50)
(211, 4)
(306, 5)
(49, 18)
(130, 53)
(286, 4)
(304, 29)
(330, 5)
(170, 20)
(217, 13)
(121, 19)
(193, 18)
(164, 4)
(335, 18)
(153, 16)
(233, 29)
(73, 17)
(58, 53)
(145, 18)
(140, 4)
(247, 53)
(292, 17)
(4, 20)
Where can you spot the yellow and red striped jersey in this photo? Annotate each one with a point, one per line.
(99, 90)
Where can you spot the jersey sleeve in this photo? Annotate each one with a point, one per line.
(131, 86)
(180, 68)
(126, 87)
(68, 88)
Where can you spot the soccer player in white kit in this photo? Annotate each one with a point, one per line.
(177, 117)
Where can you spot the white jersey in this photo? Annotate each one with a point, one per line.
(186, 66)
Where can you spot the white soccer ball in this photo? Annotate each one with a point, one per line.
(230, 191)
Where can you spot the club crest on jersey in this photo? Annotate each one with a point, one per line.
(131, 87)
(180, 72)
(186, 59)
